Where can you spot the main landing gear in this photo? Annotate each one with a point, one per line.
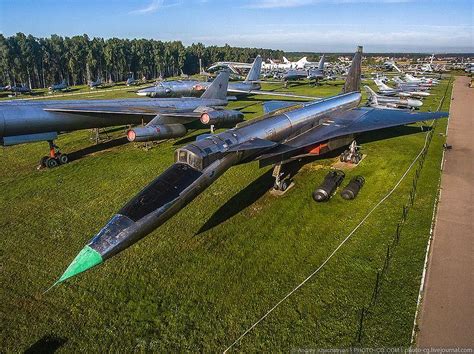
(283, 180)
(351, 155)
(55, 157)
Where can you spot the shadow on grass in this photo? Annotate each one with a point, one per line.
(79, 154)
(389, 133)
(249, 195)
(47, 344)
(262, 184)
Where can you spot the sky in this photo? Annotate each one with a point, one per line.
(431, 26)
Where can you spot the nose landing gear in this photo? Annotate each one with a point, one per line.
(55, 157)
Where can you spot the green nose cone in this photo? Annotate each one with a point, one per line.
(86, 259)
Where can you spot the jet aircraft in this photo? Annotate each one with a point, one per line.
(18, 89)
(234, 67)
(428, 67)
(59, 87)
(380, 101)
(27, 121)
(250, 86)
(402, 92)
(318, 73)
(95, 84)
(305, 129)
(131, 81)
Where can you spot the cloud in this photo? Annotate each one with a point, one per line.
(273, 4)
(306, 37)
(154, 6)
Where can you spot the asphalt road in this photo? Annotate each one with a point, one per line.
(447, 313)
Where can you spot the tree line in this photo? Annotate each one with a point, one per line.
(40, 62)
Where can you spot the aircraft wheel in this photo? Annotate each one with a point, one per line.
(51, 162)
(284, 186)
(43, 161)
(276, 187)
(63, 159)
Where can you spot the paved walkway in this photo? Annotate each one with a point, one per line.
(447, 313)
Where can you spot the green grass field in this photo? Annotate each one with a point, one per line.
(198, 282)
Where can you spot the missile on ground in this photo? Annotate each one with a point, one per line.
(352, 189)
(332, 180)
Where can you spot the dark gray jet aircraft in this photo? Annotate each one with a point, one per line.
(131, 81)
(58, 87)
(308, 129)
(95, 84)
(18, 89)
(27, 121)
(295, 74)
(318, 73)
(250, 86)
(311, 74)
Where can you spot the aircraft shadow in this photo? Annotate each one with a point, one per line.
(247, 196)
(256, 189)
(79, 154)
(47, 344)
(188, 139)
(389, 133)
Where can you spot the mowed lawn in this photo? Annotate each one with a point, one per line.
(199, 281)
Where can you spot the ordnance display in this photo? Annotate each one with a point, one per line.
(353, 188)
(332, 180)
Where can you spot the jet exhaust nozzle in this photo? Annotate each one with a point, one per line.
(156, 132)
(222, 118)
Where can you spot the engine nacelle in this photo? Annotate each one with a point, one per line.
(222, 118)
(156, 132)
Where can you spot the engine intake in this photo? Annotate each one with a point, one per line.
(156, 132)
(222, 118)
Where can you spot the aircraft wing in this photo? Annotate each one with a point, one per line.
(103, 111)
(350, 122)
(163, 115)
(272, 93)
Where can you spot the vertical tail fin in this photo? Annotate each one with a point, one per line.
(381, 85)
(218, 88)
(286, 61)
(321, 63)
(396, 67)
(302, 61)
(353, 77)
(254, 73)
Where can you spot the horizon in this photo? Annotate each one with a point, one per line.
(313, 26)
